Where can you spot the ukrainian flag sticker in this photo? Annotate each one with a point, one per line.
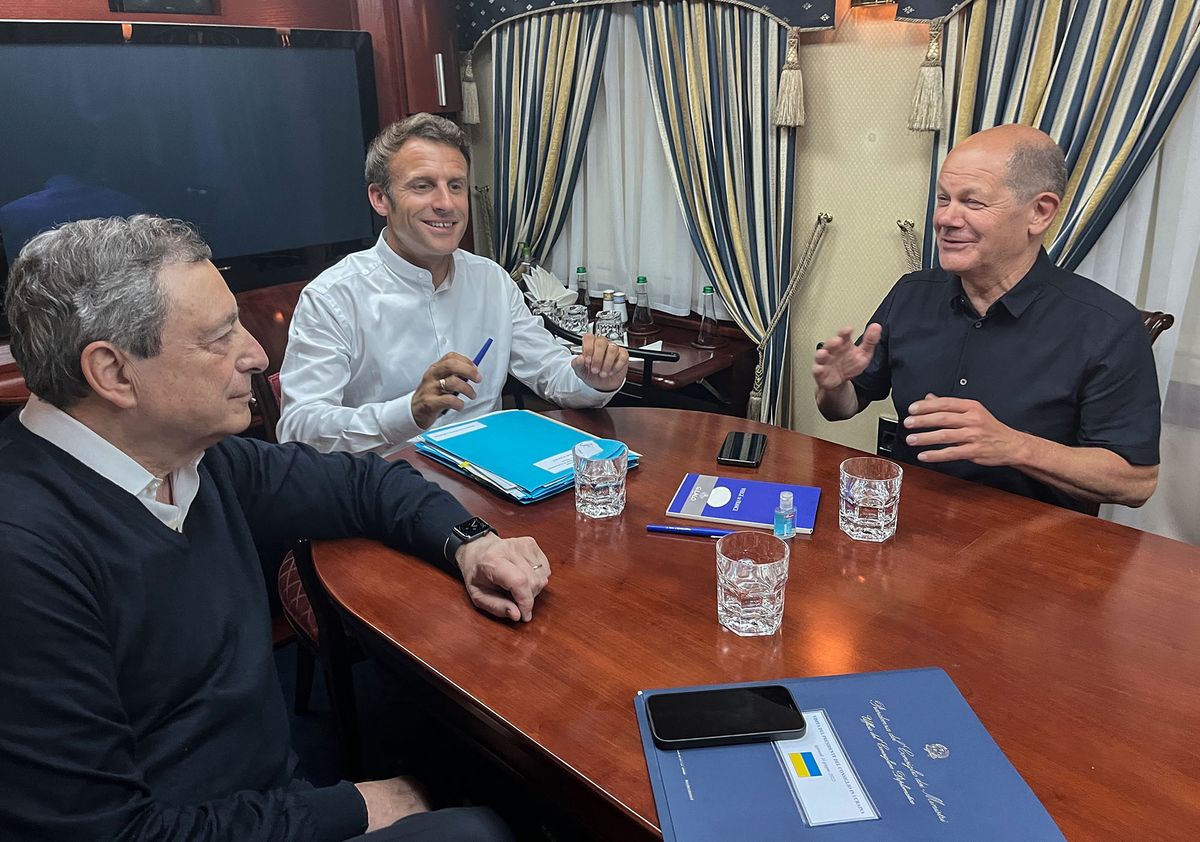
(805, 764)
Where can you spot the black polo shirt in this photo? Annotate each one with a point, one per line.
(1057, 356)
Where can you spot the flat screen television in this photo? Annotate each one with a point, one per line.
(255, 135)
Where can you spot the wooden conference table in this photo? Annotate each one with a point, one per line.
(1076, 641)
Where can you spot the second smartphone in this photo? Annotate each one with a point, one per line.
(695, 718)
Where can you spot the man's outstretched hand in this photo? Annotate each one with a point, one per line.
(839, 360)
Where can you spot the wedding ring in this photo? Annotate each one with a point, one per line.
(537, 566)
(442, 385)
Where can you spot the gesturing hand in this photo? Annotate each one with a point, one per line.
(965, 428)
(601, 364)
(839, 359)
(440, 387)
(503, 575)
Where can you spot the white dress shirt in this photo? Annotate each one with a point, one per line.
(82, 442)
(366, 330)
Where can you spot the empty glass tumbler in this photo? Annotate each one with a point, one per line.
(574, 318)
(545, 307)
(870, 498)
(608, 325)
(752, 574)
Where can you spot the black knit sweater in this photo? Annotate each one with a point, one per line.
(138, 696)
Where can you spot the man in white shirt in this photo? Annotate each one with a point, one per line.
(381, 345)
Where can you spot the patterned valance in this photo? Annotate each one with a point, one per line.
(476, 17)
(922, 11)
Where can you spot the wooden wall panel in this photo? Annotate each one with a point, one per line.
(305, 14)
(382, 20)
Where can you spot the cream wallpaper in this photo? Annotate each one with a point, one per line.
(859, 162)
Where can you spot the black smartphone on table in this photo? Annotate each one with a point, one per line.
(744, 450)
(697, 718)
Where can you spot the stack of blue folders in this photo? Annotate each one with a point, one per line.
(525, 456)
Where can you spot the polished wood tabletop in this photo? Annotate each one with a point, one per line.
(1075, 640)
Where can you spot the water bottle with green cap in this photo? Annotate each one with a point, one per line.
(643, 320)
(581, 286)
(707, 336)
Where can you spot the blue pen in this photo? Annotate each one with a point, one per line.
(482, 352)
(695, 531)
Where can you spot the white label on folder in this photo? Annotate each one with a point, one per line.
(451, 432)
(558, 463)
(822, 777)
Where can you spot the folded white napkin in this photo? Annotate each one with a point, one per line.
(544, 286)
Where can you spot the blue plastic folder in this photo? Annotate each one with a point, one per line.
(523, 455)
(886, 756)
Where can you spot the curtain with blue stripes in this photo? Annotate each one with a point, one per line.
(546, 69)
(1104, 78)
(713, 69)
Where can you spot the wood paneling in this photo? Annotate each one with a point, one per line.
(427, 36)
(1073, 638)
(406, 36)
(305, 14)
(381, 18)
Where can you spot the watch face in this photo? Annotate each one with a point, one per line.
(474, 528)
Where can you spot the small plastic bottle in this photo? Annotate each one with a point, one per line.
(785, 516)
(620, 305)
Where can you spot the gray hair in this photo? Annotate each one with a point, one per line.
(1036, 167)
(88, 281)
(388, 142)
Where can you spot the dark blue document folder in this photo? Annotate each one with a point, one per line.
(887, 756)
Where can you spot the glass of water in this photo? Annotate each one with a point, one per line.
(600, 468)
(870, 498)
(752, 573)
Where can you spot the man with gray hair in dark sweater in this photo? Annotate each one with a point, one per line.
(138, 698)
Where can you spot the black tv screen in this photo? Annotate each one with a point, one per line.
(255, 136)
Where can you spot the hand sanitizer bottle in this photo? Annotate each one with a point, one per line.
(785, 516)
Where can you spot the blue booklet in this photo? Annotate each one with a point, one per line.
(886, 756)
(742, 502)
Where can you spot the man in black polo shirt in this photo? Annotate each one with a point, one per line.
(1005, 369)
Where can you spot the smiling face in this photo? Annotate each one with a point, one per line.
(426, 205)
(984, 230)
(196, 390)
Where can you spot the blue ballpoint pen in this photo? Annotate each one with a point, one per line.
(482, 351)
(694, 531)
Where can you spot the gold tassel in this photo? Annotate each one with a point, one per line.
(754, 405)
(470, 94)
(912, 249)
(928, 103)
(789, 101)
